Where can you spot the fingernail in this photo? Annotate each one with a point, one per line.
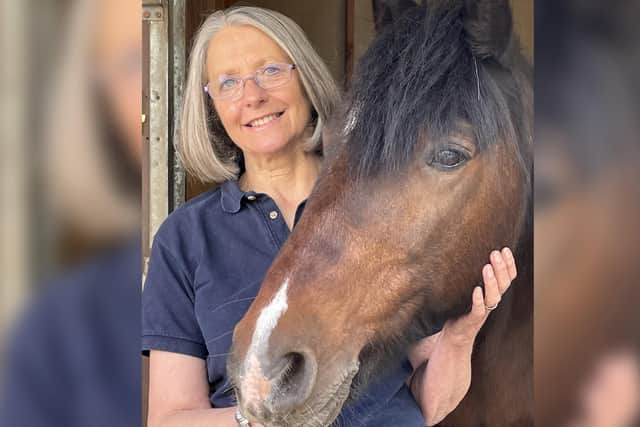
(489, 270)
(507, 253)
(497, 257)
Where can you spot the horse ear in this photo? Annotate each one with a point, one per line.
(488, 26)
(387, 11)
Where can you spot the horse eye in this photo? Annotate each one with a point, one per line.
(448, 158)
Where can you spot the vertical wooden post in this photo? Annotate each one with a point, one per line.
(348, 48)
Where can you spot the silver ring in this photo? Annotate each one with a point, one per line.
(491, 307)
(241, 420)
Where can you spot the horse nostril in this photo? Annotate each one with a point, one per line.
(292, 385)
(292, 375)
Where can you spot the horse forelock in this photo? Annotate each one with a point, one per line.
(420, 78)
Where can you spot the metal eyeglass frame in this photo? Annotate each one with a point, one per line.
(253, 76)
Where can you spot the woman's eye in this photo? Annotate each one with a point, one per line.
(448, 158)
(227, 84)
(271, 70)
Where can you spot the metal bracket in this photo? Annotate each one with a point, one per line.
(155, 20)
(152, 13)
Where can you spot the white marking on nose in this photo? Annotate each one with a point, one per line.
(268, 320)
(254, 384)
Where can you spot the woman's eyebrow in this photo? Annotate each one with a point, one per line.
(257, 64)
(227, 72)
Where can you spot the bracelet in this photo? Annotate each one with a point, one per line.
(240, 419)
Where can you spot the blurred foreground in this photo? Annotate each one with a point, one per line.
(587, 214)
(70, 220)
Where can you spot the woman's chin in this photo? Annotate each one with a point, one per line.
(268, 147)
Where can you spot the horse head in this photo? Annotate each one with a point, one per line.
(427, 168)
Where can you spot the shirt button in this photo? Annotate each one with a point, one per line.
(252, 197)
(273, 214)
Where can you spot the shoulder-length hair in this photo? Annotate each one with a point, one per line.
(205, 149)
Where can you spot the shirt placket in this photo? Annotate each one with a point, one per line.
(272, 217)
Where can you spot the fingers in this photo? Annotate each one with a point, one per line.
(492, 292)
(478, 310)
(500, 271)
(463, 330)
(507, 255)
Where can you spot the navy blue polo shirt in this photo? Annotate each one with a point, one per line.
(208, 260)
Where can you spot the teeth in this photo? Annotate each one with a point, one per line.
(263, 120)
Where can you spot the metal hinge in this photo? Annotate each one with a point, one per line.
(152, 13)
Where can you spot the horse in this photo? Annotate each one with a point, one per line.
(427, 169)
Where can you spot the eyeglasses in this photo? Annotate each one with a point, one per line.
(231, 87)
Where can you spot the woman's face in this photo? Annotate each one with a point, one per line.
(241, 50)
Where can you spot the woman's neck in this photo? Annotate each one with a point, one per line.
(287, 177)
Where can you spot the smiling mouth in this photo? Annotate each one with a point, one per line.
(264, 120)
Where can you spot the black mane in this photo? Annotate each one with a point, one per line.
(419, 78)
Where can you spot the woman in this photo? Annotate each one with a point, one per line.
(256, 100)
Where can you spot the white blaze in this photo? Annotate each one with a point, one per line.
(268, 320)
(255, 386)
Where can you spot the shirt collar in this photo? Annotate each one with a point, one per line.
(232, 195)
(231, 199)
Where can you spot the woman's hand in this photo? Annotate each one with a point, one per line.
(439, 385)
(497, 277)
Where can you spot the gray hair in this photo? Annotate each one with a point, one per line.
(202, 144)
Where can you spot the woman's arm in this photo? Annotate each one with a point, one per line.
(441, 381)
(442, 362)
(179, 393)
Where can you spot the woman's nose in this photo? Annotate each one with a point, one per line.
(253, 94)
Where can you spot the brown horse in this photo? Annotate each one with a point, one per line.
(428, 169)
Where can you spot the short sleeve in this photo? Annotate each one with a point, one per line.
(169, 321)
